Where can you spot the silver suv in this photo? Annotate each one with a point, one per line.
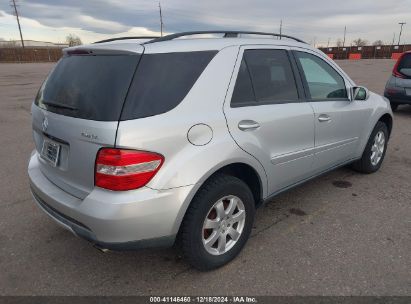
(142, 142)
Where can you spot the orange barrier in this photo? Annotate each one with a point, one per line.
(354, 56)
(331, 56)
(396, 55)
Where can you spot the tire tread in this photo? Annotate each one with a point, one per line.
(185, 233)
(363, 165)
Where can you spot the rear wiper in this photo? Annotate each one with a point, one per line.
(59, 105)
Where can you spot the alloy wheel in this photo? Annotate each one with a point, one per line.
(223, 225)
(377, 149)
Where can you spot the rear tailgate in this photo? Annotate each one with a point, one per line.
(404, 65)
(76, 112)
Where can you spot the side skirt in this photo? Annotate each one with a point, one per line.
(271, 196)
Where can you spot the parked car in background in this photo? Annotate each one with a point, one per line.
(140, 143)
(398, 88)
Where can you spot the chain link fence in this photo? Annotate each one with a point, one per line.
(18, 54)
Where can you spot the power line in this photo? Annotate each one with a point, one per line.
(399, 37)
(281, 28)
(13, 4)
(345, 32)
(161, 19)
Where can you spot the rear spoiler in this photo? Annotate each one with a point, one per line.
(105, 49)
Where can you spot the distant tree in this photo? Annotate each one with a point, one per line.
(378, 43)
(360, 42)
(73, 40)
(339, 43)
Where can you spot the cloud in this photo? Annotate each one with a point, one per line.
(101, 26)
(34, 30)
(320, 20)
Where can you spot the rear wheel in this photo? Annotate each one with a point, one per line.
(375, 149)
(218, 222)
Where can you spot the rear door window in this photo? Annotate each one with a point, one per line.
(265, 76)
(88, 87)
(243, 90)
(162, 81)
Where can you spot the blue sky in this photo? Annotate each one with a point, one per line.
(91, 20)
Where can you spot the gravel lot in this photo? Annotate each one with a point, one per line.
(340, 234)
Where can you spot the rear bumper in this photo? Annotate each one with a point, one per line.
(397, 96)
(112, 219)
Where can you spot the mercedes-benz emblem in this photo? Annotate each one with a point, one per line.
(45, 124)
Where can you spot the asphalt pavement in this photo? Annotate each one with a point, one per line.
(341, 234)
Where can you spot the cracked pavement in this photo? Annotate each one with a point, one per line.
(340, 234)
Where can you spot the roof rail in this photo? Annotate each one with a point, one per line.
(227, 34)
(125, 38)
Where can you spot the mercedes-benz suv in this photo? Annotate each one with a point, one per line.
(142, 142)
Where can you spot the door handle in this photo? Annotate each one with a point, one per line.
(324, 118)
(248, 125)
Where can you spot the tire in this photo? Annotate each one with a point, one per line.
(206, 205)
(366, 164)
(394, 106)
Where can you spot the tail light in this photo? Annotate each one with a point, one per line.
(120, 170)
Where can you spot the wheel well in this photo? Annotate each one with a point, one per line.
(387, 119)
(248, 175)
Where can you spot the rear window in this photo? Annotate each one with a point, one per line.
(162, 81)
(88, 87)
(405, 62)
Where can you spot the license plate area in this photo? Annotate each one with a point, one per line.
(50, 152)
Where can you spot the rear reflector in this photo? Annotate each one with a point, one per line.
(120, 170)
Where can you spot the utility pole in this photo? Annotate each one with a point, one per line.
(13, 3)
(345, 32)
(399, 37)
(161, 19)
(328, 42)
(281, 28)
(393, 40)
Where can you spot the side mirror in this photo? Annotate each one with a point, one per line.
(360, 93)
(406, 71)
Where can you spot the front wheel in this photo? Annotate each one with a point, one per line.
(375, 149)
(218, 222)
